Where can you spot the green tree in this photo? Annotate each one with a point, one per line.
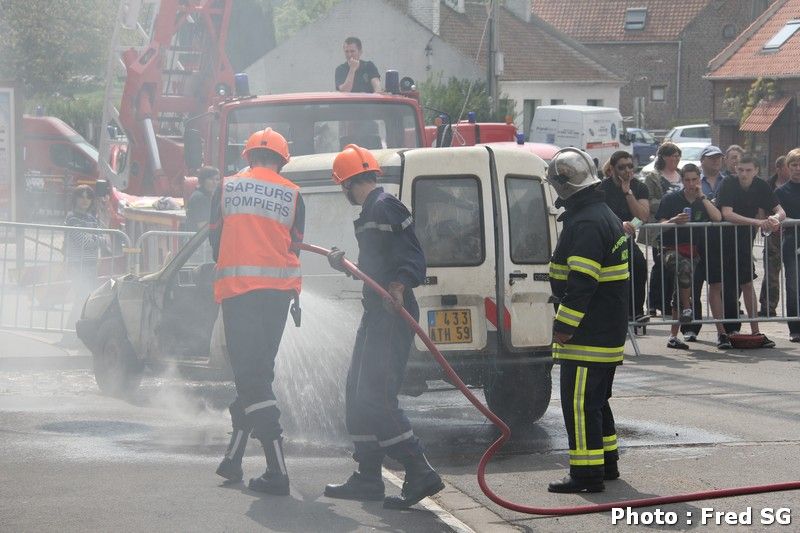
(454, 95)
(292, 15)
(44, 44)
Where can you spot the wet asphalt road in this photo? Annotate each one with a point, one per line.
(77, 460)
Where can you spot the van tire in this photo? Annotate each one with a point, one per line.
(520, 396)
(117, 371)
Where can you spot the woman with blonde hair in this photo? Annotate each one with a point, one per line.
(664, 179)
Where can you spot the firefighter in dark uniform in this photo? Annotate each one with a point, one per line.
(389, 253)
(589, 276)
(256, 228)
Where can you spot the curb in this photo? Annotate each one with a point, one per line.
(460, 512)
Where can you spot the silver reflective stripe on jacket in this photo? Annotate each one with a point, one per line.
(258, 272)
(385, 227)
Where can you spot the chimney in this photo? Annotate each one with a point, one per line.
(426, 12)
(520, 8)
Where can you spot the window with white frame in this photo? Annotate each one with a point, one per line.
(635, 18)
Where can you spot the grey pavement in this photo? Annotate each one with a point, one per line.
(687, 421)
(30, 350)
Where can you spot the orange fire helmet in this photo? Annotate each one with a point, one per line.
(268, 139)
(351, 161)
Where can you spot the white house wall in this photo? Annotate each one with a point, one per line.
(392, 40)
(572, 93)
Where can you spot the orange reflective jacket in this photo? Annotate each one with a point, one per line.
(258, 209)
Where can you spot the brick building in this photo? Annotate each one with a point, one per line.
(662, 46)
(769, 51)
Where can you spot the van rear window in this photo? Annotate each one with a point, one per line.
(527, 220)
(448, 216)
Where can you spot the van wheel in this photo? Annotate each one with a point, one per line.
(117, 371)
(520, 396)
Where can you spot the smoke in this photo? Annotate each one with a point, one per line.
(310, 375)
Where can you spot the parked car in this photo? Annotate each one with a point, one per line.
(691, 133)
(643, 145)
(690, 153)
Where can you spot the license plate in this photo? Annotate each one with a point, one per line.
(453, 326)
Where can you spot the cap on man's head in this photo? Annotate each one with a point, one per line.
(710, 151)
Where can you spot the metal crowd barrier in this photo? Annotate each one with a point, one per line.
(42, 289)
(714, 252)
(157, 247)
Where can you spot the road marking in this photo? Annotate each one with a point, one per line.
(445, 516)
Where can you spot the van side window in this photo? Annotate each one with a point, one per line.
(527, 221)
(448, 215)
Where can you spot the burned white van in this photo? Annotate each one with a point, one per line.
(485, 220)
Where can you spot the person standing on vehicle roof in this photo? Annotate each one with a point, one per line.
(356, 75)
(589, 276)
(256, 229)
(389, 253)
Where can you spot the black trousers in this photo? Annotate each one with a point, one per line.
(254, 324)
(374, 419)
(585, 391)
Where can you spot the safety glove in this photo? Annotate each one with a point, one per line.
(336, 260)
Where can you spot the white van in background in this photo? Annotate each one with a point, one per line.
(597, 130)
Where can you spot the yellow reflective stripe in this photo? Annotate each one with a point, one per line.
(610, 443)
(584, 265)
(578, 414)
(595, 354)
(569, 316)
(586, 457)
(558, 271)
(614, 273)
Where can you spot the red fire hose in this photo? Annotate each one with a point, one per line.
(506, 433)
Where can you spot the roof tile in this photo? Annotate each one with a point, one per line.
(765, 114)
(604, 20)
(747, 58)
(531, 51)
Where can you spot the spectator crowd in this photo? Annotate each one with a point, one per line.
(726, 187)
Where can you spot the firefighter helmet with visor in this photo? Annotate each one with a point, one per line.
(267, 139)
(570, 171)
(351, 161)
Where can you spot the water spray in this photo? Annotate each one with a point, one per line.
(505, 433)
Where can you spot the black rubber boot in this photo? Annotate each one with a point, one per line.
(610, 471)
(359, 486)
(575, 485)
(275, 480)
(231, 466)
(421, 481)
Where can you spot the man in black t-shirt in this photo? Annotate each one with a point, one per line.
(789, 197)
(628, 198)
(683, 249)
(356, 75)
(745, 201)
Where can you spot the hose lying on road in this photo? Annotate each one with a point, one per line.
(506, 433)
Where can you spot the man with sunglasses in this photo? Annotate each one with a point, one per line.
(628, 198)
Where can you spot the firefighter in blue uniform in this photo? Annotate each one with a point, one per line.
(589, 276)
(389, 253)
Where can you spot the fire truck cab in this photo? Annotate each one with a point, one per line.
(56, 159)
